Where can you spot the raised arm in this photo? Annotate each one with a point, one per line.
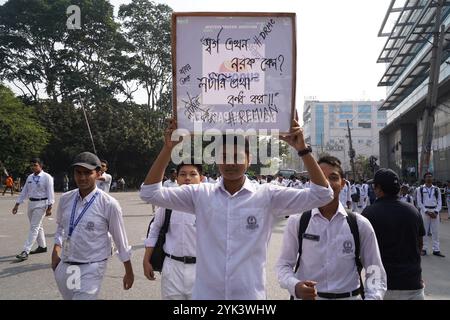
(296, 140)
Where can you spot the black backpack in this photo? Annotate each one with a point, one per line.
(351, 220)
(356, 196)
(158, 255)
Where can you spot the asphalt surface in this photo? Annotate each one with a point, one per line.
(33, 278)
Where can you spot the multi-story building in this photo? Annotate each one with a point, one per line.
(325, 128)
(409, 29)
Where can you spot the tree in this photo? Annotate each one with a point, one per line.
(22, 136)
(147, 26)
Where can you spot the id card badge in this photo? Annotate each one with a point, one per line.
(66, 248)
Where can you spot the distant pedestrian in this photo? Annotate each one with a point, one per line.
(65, 183)
(9, 184)
(429, 201)
(39, 190)
(104, 180)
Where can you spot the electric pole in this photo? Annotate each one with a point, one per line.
(431, 103)
(351, 152)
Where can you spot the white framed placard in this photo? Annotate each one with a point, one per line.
(234, 70)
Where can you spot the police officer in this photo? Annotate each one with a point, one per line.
(38, 189)
(429, 202)
(404, 194)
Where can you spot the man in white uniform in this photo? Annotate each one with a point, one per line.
(330, 253)
(345, 196)
(172, 181)
(429, 202)
(235, 217)
(39, 190)
(85, 218)
(105, 179)
(178, 273)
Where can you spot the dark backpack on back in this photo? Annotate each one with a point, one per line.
(351, 220)
(356, 196)
(158, 255)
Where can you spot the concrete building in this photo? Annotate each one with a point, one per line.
(325, 125)
(408, 28)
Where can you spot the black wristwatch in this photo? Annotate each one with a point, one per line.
(304, 152)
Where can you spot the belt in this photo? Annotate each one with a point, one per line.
(38, 199)
(430, 207)
(187, 260)
(74, 263)
(339, 295)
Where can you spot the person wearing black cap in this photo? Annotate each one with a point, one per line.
(85, 218)
(399, 229)
(38, 189)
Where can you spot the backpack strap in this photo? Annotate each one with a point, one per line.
(166, 223)
(352, 223)
(303, 225)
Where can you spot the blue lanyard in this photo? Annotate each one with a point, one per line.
(73, 224)
(36, 180)
(430, 192)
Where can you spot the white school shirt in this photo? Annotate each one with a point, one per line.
(38, 186)
(90, 241)
(429, 199)
(345, 195)
(181, 236)
(169, 184)
(405, 198)
(328, 261)
(104, 185)
(233, 231)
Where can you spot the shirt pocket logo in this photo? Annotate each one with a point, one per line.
(347, 247)
(90, 226)
(252, 223)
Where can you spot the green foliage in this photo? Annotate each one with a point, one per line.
(22, 136)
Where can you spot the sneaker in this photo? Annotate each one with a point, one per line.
(22, 256)
(439, 254)
(423, 253)
(39, 250)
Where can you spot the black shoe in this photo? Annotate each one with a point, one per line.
(423, 253)
(22, 256)
(39, 250)
(439, 254)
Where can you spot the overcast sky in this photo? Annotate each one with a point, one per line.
(337, 43)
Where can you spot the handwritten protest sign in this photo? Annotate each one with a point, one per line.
(234, 70)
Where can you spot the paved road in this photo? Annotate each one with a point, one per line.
(33, 279)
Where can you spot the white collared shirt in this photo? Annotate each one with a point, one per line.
(345, 195)
(181, 236)
(429, 199)
(406, 198)
(233, 231)
(170, 184)
(327, 261)
(38, 186)
(90, 241)
(104, 185)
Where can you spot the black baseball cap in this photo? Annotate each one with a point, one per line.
(388, 181)
(87, 160)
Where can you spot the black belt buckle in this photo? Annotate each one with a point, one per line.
(189, 260)
(327, 295)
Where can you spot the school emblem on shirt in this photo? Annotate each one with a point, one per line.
(90, 226)
(252, 223)
(348, 247)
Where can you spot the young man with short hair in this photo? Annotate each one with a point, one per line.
(39, 190)
(172, 181)
(85, 217)
(429, 202)
(234, 217)
(329, 259)
(178, 273)
(105, 179)
(399, 229)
